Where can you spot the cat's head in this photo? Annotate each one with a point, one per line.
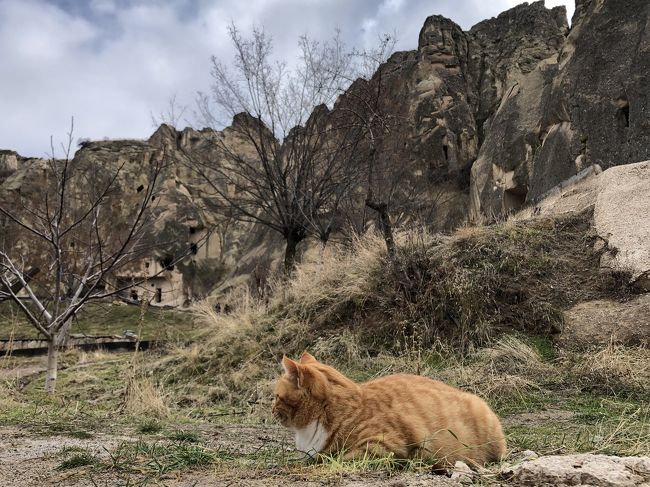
(301, 393)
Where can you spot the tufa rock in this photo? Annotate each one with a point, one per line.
(622, 219)
(586, 104)
(581, 470)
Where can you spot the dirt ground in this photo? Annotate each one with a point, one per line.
(27, 459)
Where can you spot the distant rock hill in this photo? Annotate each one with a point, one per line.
(495, 116)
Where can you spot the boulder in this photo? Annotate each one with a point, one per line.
(581, 470)
(601, 322)
(622, 220)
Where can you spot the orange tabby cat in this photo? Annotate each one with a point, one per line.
(404, 415)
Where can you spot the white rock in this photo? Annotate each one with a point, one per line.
(582, 470)
(528, 455)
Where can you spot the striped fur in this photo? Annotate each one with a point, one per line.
(405, 415)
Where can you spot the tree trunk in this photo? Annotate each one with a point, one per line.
(290, 254)
(387, 232)
(52, 365)
(62, 336)
(385, 226)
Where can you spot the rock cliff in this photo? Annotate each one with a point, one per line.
(586, 104)
(493, 118)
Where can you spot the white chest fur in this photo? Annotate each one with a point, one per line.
(311, 439)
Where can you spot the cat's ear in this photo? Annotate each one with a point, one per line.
(293, 370)
(307, 358)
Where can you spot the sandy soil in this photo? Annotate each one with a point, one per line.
(28, 460)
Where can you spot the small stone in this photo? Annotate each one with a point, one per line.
(529, 455)
(462, 473)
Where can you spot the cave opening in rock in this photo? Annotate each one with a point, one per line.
(624, 115)
(623, 112)
(514, 199)
(445, 151)
(167, 263)
(140, 188)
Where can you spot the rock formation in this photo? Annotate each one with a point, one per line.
(599, 323)
(445, 94)
(586, 105)
(484, 123)
(217, 249)
(581, 469)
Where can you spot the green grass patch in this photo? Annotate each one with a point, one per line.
(81, 459)
(615, 435)
(150, 427)
(158, 458)
(108, 319)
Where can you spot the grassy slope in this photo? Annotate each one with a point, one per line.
(462, 292)
(502, 288)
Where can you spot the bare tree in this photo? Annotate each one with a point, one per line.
(371, 123)
(284, 162)
(393, 191)
(69, 234)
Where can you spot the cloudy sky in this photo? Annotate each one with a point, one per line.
(112, 63)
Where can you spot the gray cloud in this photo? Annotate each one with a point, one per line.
(110, 63)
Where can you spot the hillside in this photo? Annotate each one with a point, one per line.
(491, 310)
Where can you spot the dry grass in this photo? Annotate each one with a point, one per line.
(93, 356)
(350, 309)
(464, 290)
(504, 373)
(144, 398)
(321, 292)
(613, 370)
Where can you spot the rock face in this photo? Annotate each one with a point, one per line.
(519, 103)
(485, 123)
(446, 93)
(582, 470)
(622, 220)
(586, 105)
